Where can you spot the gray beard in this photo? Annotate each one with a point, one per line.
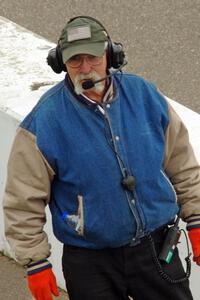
(98, 87)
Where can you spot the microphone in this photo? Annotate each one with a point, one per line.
(128, 183)
(88, 84)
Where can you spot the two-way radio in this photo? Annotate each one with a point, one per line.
(171, 240)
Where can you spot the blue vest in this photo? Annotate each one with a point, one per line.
(91, 152)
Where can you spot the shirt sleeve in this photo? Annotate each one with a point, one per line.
(183, 169)
(27, 193)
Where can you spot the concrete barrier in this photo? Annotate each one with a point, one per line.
(25, 76)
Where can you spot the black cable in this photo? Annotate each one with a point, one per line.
(128, 181)
(159, 266)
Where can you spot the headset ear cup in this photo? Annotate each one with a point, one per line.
(54, 60)
(60, 60)
(109, 54)
(115, 55)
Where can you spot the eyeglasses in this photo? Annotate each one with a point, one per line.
(77, 60)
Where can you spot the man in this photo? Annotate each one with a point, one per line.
(113, 161)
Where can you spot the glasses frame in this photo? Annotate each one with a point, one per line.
(92, 60)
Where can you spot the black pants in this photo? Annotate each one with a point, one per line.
(116, 273)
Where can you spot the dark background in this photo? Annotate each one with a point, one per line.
(161, 37)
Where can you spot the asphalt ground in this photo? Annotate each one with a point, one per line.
(161, 38)
(13, 282)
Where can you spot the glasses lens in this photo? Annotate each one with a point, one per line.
(76, 60)
(94, 60)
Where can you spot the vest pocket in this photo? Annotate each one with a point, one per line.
(170, 184)
(80, 215)
(76, 221)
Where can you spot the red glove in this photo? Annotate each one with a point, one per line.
(194, 235)
(43, 285)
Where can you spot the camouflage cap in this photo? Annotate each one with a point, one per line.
(82, 35)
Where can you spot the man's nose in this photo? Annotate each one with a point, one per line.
(85, 67)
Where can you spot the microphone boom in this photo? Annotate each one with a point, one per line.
(88, 84)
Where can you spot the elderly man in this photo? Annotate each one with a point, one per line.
(112, 160)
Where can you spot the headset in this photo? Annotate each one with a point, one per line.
(115, 52)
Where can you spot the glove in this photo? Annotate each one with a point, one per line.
(194, 235)
(43, 285)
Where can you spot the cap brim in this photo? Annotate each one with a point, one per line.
(96, 49)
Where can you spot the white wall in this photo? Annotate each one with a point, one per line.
(7, 130)
(21, 67)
